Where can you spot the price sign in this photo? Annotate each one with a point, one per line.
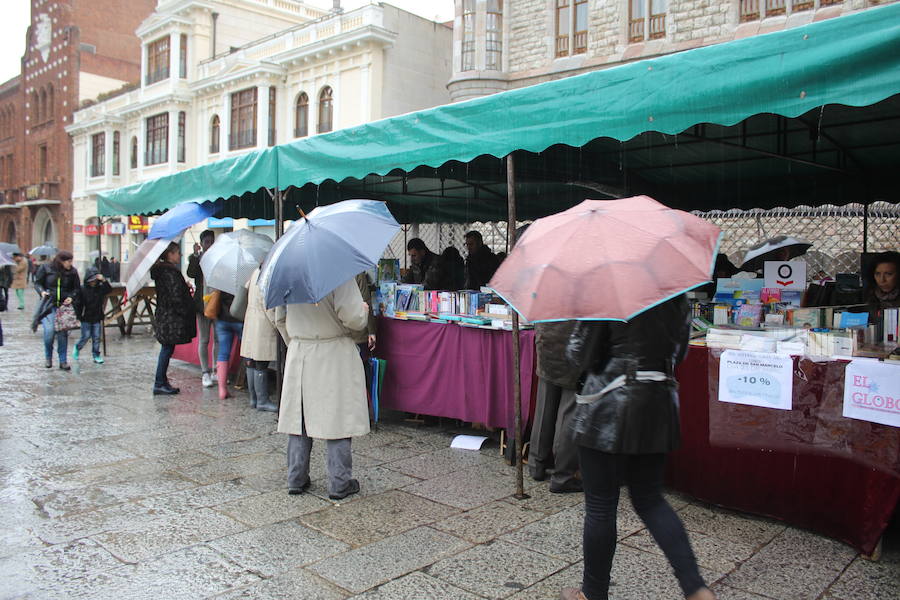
(756, 379)
(872, 392)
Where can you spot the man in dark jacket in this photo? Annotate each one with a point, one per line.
(551, 440)
(204, 325)
(480, 263)
(425, 266)
(90, 312)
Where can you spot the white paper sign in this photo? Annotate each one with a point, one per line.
(756, 378)
(468, 442)
(872, 392)
(785, 275)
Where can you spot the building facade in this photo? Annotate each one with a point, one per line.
(506, 44)
(224, 77)
(75, 50)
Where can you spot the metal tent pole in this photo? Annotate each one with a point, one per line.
(281, 349)
(517, 384)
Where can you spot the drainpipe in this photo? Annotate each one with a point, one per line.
(215, 18)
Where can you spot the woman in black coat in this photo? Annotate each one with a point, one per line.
(626, 421)
(57, 283)
(175, 318)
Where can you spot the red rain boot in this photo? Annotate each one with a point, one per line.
(222, 376)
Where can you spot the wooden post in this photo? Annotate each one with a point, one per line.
(517, 383)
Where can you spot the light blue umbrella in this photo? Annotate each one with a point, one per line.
(174, 221)
(325, 249)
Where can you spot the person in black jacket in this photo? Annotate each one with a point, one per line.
(481, 262)
(204, 325)
(90, 311)
(626, 421)
(58, 282)
(176, 321)
(425, 266)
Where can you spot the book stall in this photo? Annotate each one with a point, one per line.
(448, 353)
(793, 411)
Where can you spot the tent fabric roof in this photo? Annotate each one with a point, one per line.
(852, 60)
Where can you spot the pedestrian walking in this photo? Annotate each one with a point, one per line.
(204, 324)
(20, 278)
(176, 321)
(324, 392)
(6, 279)
(259, 346)
(93, 297)
(625, 423)
(57, 281)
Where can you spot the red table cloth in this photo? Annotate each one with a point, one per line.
(452, 371)
(843, 497)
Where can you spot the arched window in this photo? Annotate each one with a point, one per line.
(49, 113)
(42, 114)
(214, 132)
(115, 153)
(35, 107)
(182, 133)
(326, 110)
(301, 116)
(134, 150)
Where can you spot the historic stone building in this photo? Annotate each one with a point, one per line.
(75, 50)
(225, 77)
(504, 44)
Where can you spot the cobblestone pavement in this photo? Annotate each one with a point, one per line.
(109, 492)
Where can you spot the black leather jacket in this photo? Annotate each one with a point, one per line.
(629, 401)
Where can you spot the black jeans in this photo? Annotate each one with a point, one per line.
(162, 365)
(603, 474)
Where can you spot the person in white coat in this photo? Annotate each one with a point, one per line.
(259, 345)
(324, 393)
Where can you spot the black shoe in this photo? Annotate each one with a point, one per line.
(64, 367)
(299, 490)
(164, 390)
(48, 364)
(538, 473)
(569, 487)
(352, 488)
(267, 407)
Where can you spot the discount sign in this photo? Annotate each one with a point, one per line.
(756, 379)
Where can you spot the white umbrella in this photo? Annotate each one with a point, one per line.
(137, 273)
(760, 252)
(231, 260)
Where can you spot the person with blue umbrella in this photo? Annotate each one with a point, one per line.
(312, 270)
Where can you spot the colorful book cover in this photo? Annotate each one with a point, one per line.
(388, 269)
(749, 315)
(388, 294)
(770, 295)
(403, 294)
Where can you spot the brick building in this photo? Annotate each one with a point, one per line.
(75, 50)
(500, 45)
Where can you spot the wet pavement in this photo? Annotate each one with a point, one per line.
(110, 492)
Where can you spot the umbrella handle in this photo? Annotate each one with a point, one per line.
(302, 214)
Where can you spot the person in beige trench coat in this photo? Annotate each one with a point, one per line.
(324, 393)
(259, 346)
(20, 278)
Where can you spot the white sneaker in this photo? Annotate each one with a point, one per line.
(207, 380)
(213, 378)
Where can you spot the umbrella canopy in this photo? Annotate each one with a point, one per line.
(780, 247)
(606, 260)
(137, 273)
(231, 260)
(6, 259)
(325, 249)
(174, 221)
(10, 248)
(43, 250)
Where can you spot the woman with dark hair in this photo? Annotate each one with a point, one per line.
(176, 321)
(57, 280)
(882, 281)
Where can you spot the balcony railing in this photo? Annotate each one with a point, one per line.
(657, 26)
(562, 45)
(581, 38)
(636, 30)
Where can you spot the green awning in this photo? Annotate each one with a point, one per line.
(852, 61)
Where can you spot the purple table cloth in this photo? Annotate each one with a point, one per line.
(452, 371)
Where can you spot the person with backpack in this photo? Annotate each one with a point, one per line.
(90, 311)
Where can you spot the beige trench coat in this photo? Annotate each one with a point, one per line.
(20, 274)
(324, 384)
(259, 340)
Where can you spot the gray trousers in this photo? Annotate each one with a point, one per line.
(340, 462)
(551, 442)
(203, 327)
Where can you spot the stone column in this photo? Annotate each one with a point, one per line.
(173, 140)
(225, 125)
(262, 116)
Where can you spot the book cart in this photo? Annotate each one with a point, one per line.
(749, 123)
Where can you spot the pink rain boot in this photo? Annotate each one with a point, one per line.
(222, 376)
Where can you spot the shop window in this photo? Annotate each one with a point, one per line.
(243, 119)
(182, 127)
(158, 60)
(214, 133)
(98, 154)
(115, 154)
(326, 110)
(494, 35)
(156, 150)
(301, 116)
(646, 20)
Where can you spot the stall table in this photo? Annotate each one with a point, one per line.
(835, 491)
(447, 370)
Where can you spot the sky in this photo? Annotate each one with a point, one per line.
(16, 18)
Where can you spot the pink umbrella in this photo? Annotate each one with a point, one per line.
(606, 260)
